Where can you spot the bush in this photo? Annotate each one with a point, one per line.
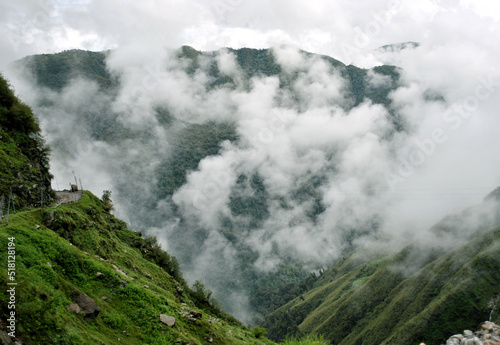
(259, 332)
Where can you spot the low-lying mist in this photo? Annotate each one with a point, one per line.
(249, 175)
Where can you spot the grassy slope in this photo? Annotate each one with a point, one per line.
(23, 154)
(48, 266)
(385, 302)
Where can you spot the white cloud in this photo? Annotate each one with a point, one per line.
(345, 154)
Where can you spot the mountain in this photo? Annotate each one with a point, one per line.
(416, 295)
(254, 218)
(24, 156)
(77, 275)
(89, 101)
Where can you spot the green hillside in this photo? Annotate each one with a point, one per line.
(417, 295)
(75, 274)
(358, 301)
(82, 247)
(24, 157)
(55, 71)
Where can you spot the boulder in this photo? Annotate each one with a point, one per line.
(486, 335)
(471, 341)
(88, 307)
(491, 342)
(195, 314)
(455, 340)
(488, 326)
(74, 308)
(167, 320)
(468, 334)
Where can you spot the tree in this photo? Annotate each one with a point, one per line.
(106, 200)
(492, 304)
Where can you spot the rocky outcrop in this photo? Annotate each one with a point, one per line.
(83, 304)
(488, 334)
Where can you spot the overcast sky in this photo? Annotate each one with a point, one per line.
(460, 49)
(448, 159)
(347, 30)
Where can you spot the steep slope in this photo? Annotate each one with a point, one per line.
(417, 295)
(75, 274)
(81, 249)
(24, 166)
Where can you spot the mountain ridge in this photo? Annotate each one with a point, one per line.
(419, 294)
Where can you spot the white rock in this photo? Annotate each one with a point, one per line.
(167, 320)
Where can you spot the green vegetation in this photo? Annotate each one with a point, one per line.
(192, 144)
(24, 157)
(56, 70)
(308, 340)
(82, 246)
(131, 279)
(398, 299)
(411, 297)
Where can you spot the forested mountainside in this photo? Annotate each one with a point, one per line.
(420, 294)
(261, 248)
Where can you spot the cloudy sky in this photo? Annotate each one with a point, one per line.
(448, 159)
(347, 30)
(458, 58)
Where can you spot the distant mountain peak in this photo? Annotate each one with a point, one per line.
(395, 47)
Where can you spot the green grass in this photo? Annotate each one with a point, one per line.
(382, 302)
(63, 248)
(308, 340)
(24, 167)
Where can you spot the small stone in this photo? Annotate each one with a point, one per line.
(468, 334)
(104, 298)
(488, 325)
(38, 226)
(490, 342)
(99, 275)
(75, 308)
(167, 320)
(146, 286)
(195, 314)
(122, 272)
